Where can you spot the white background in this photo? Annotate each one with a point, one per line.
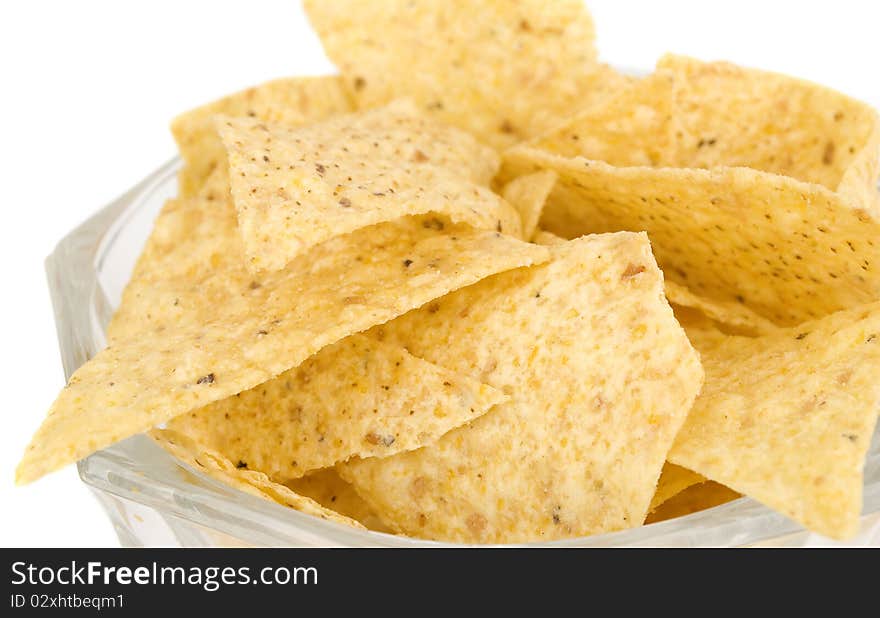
(87, 89)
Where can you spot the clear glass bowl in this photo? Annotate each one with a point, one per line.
(153, 499)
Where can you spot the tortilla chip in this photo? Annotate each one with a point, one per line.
(358, 397)
(203, 334)
(733, 314)
(296, 188)
(193, 255)
(787, 250)
(600, 377)
(733, 116)
(527, 194)
(328, 489)
(251, 482)
(290, 102)
(504, 71)
(673, 480)
(636, 125)
(787, 418)
(696, 498)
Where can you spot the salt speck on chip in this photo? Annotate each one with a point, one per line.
(296, 188)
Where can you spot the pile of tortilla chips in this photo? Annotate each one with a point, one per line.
(481, 288)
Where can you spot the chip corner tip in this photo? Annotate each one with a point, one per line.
(24, 474)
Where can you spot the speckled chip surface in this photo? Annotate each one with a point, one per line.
(295, 188)
(788, 250)
(465, 290)
(755, 188)
(600, 378)
(356, 398)
(504, 71)
(787, 418)
(293, 101)
(228, 332)
(739, 117)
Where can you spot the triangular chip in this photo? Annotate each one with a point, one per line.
(358, 397)
(789, 247)
(734, 116)
(296, 188)
(527, 194)
(328, 489)
(600, 378)
(673, 480)
(202, 338)
(252, 482)
(290, 102)
(787, 418)
(788, 250)
(505, 71)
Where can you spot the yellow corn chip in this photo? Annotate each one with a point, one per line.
(695, 498)
(194, 256)
(505, 71)
(358, 397)
(673, 480)
(635, 125)
(580, 445)
(252, 482)
(203, 335)
(328, 489)
(527, 194)
(786, 247)
(295, 188)
(787, 418)
(289, 102)
(788, 250)
(733, 116)
(734, 314)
